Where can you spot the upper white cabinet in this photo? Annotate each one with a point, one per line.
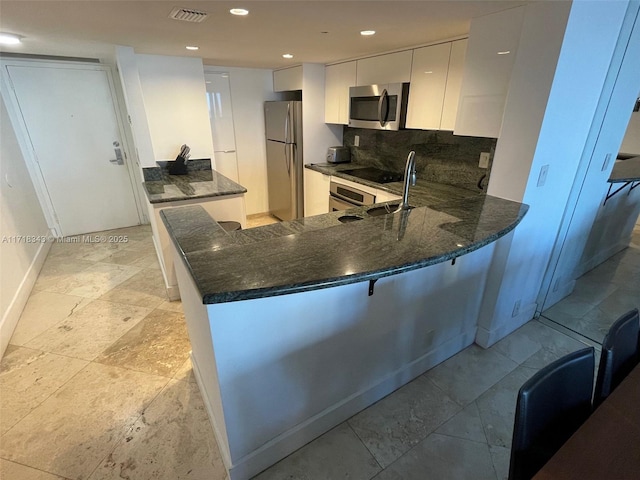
(287, 79)
(454, 84)
(436, 77)
(428, 83)
(390, 68)
(338, 79)
(491, 52)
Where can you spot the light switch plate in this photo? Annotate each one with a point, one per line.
(542, 178)
(484, 160)
(356, 141)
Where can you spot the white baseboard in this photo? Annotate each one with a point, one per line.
(298, 436)
(601, 256)
(11, 316)
(485, 338)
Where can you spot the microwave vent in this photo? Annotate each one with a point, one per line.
(188, 15)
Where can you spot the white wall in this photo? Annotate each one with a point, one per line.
(550, 107)
(175, 102)
(250, 88)
(127, 65)
(592, 231)
(317, 135)
(20, 215)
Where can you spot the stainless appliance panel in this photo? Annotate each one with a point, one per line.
(350, 194)
(336, 205)
(381, 107)
(280, 121)
(284, 159)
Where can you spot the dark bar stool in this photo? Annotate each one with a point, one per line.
(230, 226)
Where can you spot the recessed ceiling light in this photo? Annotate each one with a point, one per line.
(192, 47)
(366, 33)
(505, 52)
(9, 39)
(287, 55)
(239, 11)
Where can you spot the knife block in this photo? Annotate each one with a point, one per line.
(178, 166)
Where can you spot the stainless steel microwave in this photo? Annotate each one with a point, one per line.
(381, 107)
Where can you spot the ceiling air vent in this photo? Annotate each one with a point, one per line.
(188, 15)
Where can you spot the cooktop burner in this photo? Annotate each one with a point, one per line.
(375, 175)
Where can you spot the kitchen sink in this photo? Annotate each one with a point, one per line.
(349, 218)
(383, 210)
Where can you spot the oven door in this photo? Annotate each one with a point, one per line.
(336, 205)
(381, 107)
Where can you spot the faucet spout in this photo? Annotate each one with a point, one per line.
(409, 176)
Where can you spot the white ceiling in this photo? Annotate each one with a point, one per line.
(91, 28)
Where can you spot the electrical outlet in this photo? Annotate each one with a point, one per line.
(607, 159)
(556, 286)
(484, 160)
(542, 178)
(516, 309)
(356, 141)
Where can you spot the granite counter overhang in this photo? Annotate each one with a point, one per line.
(195, 184)
(320, 252)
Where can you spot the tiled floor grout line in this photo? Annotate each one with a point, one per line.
(365, 446)
(35, 468)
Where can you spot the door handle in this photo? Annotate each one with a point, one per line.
(383, 99)
(118, 160)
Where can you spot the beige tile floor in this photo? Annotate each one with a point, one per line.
(601, 295)
(96, 384)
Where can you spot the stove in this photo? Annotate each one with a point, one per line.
(374, 175)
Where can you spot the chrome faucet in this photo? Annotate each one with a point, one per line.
(409, 176)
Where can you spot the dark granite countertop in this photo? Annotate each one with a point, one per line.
(424, 193)
(625, 171)
(320, 252)
(197, 183)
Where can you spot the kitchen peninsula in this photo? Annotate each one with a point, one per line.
(220, 196)
(297, 326)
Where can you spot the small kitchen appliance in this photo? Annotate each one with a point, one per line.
(338, 154)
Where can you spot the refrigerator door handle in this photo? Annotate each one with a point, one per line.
(287, 162)
(286, 124)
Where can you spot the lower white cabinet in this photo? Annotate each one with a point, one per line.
(316, 193)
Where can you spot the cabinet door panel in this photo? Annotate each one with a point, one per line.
(454, 84)
(491, 52)
(316, 193)
(338, 79)
(288, 79)
(391, 68)
(428, 81)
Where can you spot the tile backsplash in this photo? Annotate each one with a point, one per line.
(441, 156)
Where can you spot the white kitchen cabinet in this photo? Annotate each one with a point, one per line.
(316, 193)
(382, 69)
(491, 52)
(338, 79)
(384, 196)
(454, 84)
(287, 79)
(428, 84)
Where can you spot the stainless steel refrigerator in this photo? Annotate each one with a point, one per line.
(283, 128)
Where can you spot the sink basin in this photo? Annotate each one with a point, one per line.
(349, 218)
(383, 210)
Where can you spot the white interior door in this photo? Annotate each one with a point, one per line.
(70, 115)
